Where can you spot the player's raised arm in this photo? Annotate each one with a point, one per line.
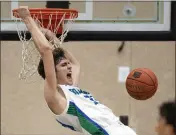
(74, 62)
(42, 45)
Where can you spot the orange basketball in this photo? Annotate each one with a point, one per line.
(141, 83)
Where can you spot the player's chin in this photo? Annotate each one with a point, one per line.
(69, 81)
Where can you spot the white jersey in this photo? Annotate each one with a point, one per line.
(85, 114)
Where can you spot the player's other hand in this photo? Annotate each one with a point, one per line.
(23, 12)
(48, 33)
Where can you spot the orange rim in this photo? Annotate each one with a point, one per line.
(45, 13)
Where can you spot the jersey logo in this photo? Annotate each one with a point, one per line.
(87, 95)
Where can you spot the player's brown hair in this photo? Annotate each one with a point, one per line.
(58, 54)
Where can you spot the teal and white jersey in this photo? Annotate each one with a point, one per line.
(85, 114)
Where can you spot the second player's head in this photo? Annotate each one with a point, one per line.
(62, 67)
(167, 119)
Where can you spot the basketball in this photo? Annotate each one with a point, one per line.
(141, 83)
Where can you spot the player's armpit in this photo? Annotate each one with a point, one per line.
(56, 101)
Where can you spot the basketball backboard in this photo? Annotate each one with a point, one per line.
(103, 16)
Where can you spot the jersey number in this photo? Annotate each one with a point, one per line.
(91, 99)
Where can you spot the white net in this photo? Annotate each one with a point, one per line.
(30, 55)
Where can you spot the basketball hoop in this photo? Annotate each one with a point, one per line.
(57, 20)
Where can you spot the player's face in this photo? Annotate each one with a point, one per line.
(163, 128)
(64, 72)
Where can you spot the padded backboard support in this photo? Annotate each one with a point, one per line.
(57, 4)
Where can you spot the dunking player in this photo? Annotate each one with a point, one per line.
(74, 108)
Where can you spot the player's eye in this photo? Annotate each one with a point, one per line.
(64, 64)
